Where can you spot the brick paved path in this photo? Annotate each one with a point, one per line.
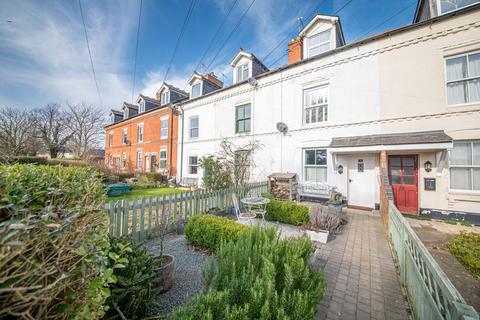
(362, 282)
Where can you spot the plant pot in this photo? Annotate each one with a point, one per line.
(165, 271)
(337, 207)
(318, 236)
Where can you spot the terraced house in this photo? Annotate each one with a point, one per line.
(142, 137)
(405, 102)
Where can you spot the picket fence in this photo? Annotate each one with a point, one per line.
(140, 218)
(431, 294)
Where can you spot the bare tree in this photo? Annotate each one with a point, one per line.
(52, 128)
(86, 126)
(238, 159)
(17, 136)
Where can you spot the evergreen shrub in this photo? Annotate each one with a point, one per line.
(260, 276)
(286, 212)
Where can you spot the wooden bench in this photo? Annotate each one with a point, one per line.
(315, 190)
(188, 182)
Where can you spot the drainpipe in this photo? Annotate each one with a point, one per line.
(171, 140)
(181, 144)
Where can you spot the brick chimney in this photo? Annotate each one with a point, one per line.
(295, 50)
(213, 79)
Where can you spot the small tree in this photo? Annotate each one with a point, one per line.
(17, 132)
(215, 174)
(52, 128)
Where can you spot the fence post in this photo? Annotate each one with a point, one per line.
(134, 219)
(149, 231)
(142, 220)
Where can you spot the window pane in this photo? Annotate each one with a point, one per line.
(461, 154)
(409, 180)
(474, 65)
(408, 161)
(310, 157)
(245, 72)
(395, 170)
(456, 68)
(460, 178)
(456, 92)
(321, 157)
(319, 38)
(394, 161)
(240, 126)
(474, 90)
(196, 90)
(246, 111)
(320, 49)
(408, 171)
(451, 5)
(315, 174)
(240, 112)
(476, 179)
(476, 153)
(313, 115)
(396, 180)
(247, 125)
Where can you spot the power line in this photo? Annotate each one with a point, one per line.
(180, 36)
(90, 54)
(136, 48)
(230, 35)
(216, 34)
(388, 19)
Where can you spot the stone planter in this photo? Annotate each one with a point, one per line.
(337, 207)
(318, 236)
(166, 271)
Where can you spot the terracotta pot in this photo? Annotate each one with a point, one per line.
(165, 271)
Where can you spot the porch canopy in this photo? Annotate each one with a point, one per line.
(408, 141)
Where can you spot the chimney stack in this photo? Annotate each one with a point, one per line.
(213, 79)
(295, 50)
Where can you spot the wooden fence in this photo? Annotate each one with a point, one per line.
(430, 292)
(140, 218)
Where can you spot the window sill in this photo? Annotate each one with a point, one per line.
(315, 124)
(464, 192)
(163, 138)
(245, 133)
(465, 105)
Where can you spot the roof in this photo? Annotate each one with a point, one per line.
(317, 17)
(249, 55)
(129, 105)
(172, 88)
(417, 11)
(345, 47)
(438, 136)
(283, 175)
(155, 101)
(116, 111)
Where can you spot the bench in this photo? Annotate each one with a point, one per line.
(315, 190)
(188, 182)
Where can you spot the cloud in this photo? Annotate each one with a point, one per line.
(43, 53)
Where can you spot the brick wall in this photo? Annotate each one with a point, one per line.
(295, 50)
(151, 144)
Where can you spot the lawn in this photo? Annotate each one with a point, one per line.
(147, 193)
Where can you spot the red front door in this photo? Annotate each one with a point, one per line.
(403, 174)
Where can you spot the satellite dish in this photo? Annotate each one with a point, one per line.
(252, 81)
(282, 127)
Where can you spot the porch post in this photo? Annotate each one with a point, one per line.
(383, 188)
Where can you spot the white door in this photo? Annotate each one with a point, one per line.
(361, 180)
(147, 164)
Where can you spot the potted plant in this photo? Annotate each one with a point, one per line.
(165, 263)
(323, 223)
(336, 201)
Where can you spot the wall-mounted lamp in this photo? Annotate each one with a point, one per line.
(428, 166)
(340, 169)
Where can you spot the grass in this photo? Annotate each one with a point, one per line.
(466, 248)
(147, 193)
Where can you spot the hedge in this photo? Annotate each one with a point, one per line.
(287, 212)
(24, 160)
(260, 276)
(53, 240)
(208, 231)
(466, 248)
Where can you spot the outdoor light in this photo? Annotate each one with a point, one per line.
(428, 166)
(340, 169)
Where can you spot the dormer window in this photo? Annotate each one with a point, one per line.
(125, 113)
(112, 118)
(165, 97)
(243, 72)
(318, 43)
(142, 106)
(196, 90)
(452, 5)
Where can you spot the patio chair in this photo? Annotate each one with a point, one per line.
(243, 217)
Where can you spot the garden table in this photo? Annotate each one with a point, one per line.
(256, 204)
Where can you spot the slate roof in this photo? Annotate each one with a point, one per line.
(155, 101)
(131, 106)
(173, 88)
(391, 139)
(116, 111)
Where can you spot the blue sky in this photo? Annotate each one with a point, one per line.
(44, 58)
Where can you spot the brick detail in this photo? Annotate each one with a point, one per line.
(213, 79)
(295, 50)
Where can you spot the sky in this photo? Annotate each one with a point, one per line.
(44, 55)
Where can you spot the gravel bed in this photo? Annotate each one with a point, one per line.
(188, 277)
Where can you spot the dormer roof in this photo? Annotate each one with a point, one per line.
(195, 76)
(129, 105)
(147, 99)
(172, 88)
(323, 17)
(241, 53)
(116, 112)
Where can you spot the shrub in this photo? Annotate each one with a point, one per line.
(54, 240)
(156, 177)
(260, 276)
(209, 231)
(137, 282)
(466, 248)
(215, 174)
(24, 160)
(325, 219)
(286, 212)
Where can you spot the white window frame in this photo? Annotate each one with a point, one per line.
(323, 106)
(466, 166)
(165, 98)
(125, 113)
(191, 90)
(163, 129)
(439, 8)
(304, 163)
(308, 47)
(242, 66)
(140, 132)
(190, 165)
(139, 163)
(190, 136)
(141, 107)
(124, 136)
(160, 159)
(110, 139)
(124, 159)
(112, 118)
(465, 54)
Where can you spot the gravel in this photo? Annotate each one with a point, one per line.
(188, 276)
